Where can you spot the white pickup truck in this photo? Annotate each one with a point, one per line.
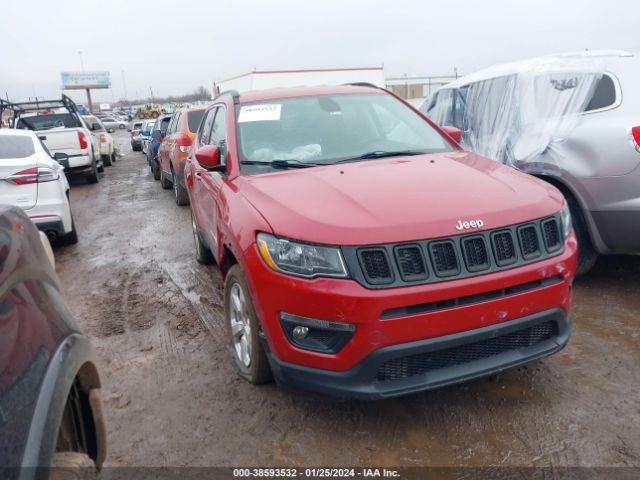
(61, 129)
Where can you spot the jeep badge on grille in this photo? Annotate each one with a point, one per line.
(470, 224)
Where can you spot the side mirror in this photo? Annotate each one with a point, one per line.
(163, 133)
(62, 159)
(208, 157)
(453, 132)
(156, 134)
(95, 127)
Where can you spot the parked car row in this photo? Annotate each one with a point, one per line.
(46, 142)
(352, 262)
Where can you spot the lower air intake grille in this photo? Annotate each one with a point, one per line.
(413, 365)
(529, 241)
(375, 265)
(411, 263)
(443, 256)
(551, 235)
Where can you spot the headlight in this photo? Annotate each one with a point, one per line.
(300, 259)
(565, 218)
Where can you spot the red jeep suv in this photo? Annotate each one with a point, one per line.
(364, 253)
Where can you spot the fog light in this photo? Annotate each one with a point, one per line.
(299, 333)
(325, 336)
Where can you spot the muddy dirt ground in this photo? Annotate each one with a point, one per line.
(172, 398)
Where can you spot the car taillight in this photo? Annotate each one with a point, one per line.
(635, 133)
(184, 143)
(33, 175)
(82, 138)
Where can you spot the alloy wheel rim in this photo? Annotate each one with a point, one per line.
(240, 325)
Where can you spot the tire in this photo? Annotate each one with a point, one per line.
(72, 466)
(101, 169)
(156, 170)
(70, 238)
(587, 256)
(179, 192)
(121, 126)
(243, 330)
(203, 254)
(93, 177)
(106, 160)
(165, 183)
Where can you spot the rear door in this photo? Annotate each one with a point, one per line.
(18, 171)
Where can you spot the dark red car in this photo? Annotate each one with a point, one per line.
(365, 253)
(174, 150)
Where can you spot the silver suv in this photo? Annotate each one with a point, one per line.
(572, 120)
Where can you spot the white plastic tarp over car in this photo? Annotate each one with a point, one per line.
(515, 112)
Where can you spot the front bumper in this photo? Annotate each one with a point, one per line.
(433, 363)
(380, 316)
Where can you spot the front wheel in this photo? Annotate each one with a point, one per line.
(165, 183)
(106, 160)
(243, 328)
(155, 168)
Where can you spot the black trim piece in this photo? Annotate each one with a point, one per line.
(375, 280)
(410, 277)
(360, 381)
(437, 259)
(469, 299)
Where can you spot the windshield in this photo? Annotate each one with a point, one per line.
(15, 147)
(331, 128)
(46, 122)
(149, 126)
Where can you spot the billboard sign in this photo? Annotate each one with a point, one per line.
(82, 80)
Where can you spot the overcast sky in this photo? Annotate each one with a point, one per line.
(175, 46)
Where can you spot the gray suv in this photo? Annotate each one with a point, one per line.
(572, 120)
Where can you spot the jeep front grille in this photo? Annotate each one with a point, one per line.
(460, 256)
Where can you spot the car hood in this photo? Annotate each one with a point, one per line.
(397, 199)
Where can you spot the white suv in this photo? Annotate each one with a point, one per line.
(32, 180)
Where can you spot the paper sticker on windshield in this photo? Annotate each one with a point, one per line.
(260, 113)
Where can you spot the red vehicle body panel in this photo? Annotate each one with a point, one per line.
(365, 203)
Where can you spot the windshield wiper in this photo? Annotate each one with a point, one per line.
(280, 163)
(381, 154)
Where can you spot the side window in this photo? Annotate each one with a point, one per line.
(219, 133)
(176, 122)
(170, 126)
(604, 94)
(205, 127)
(440, 110)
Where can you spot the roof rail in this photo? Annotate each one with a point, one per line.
(234, 93)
